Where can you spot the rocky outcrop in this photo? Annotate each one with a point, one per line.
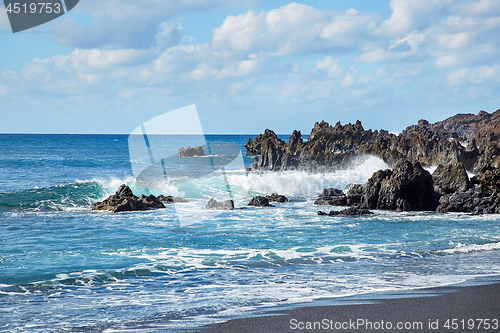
(259, 201)
(407, 187)
(124, 200)
(455, 202)
(332, 197)
(490, 179)
(151, 201)
(225, 205)
(275, 197)
(188, 151)
(270, 148)
(489, 156)
(352, 211)
(482, 197)
(466, 126)
(473, 140)
(351, 196)
(354, 194)
(170, 199)
(451, 178)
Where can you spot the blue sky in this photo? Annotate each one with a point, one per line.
(109, 66)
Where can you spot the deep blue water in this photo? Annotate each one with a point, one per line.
(64, 267)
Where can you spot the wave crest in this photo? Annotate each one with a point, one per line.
(306, 184)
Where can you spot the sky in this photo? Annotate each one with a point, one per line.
(109, 66)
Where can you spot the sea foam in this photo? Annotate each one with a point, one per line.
(306, 184)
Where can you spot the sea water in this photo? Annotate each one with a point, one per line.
(64, 267)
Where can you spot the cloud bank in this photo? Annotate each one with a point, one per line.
(288, 65)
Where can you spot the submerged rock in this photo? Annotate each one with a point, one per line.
(225, 205)
(124, 200)
(352, 211)
(188, 151)
(259, 201)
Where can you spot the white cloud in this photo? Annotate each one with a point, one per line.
(349, 79)
(100, 59)
(292, 54)
(460, 22)
(484, 74)
(483, 7)
(410, 15)
(126, 23)
(169, 35)
(241, 68)
(92, 79)
(455, 41)
(3, 90)
(475, 76)
(9, 75)
(329, 65)
(202, 72)
(349, 28)
(291, 28)
(229, 69)
(401, 48)
(400, 71)
(451, 60)
(294, 29)
(239, 32)
(238, 87)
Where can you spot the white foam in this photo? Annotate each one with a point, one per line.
(198, 258)
(305, 184)
(289, 183)
(461, 248)
(431, 168)
(111, 185)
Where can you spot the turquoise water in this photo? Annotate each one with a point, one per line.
(64, 267)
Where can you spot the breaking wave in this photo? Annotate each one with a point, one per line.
(80, 195)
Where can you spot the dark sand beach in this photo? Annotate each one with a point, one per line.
(445, 309)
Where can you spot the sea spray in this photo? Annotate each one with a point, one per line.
(306, 184)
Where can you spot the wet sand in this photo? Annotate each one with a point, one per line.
(428, 310)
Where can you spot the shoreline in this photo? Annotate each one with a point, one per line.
(412, 310)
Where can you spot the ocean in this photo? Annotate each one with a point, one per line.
(66, 268)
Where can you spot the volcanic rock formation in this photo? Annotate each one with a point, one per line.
(472, 140)
(124, 200)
